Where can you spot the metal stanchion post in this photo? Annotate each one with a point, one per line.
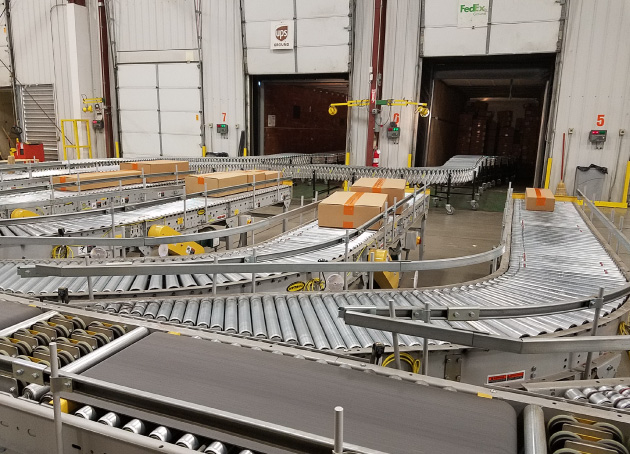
(372, 272)
(599, 302)
(338, 448)
(620, 231)
(254, 273)
(345, 259)
(205, 201)
(425, 342)
(89, 279)
(54, 374)
(392, 314)
(113, 230)
(214, 277)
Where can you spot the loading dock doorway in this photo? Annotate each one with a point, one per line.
(290, 115)
(493, 106)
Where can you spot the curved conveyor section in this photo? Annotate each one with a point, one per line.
(554, 257)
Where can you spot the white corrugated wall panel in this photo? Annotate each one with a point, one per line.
(32, 41)
(524, 27)
(443, 37)
(321, 36)
(400, 79)
(527, 38)
(360, 80)
(594, 81)
(516, 26)
(154, 25)
(5, 73)
(224, 80)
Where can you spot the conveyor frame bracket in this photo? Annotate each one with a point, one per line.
(29, 372)
(459, 314)
(453, 367)
(60, 384)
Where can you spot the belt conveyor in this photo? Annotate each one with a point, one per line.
(553, 257)
(388, 416)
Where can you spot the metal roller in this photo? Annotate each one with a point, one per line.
(216, 447)
(135, 426)
(192, 309)
(161, 433)
(231, 315)
(218, 314)
(86, 412)
(205, 311)
(110, 419)
(179, 308)
(188, 441)
(164, 314)
(272, 325)
(244, 317)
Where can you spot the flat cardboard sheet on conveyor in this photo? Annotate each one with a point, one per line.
(12, 313)
(379, 413)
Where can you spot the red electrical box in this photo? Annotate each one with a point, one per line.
(33, 151)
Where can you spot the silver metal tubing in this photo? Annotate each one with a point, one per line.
(110, 419)
(179, 309)
(188, 441)
(216, 447)
(27, 323)
(164, 314)
(575, 394)
(205, 310)
(54, 375)
(36, 392)
(244, 316)
(338, 439)
(535, 439)
(135, 426)
(161, 433)
(192, 309)
(598, 307)
(392, 314)
(218, 314)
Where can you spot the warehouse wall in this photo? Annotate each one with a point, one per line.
(46, 34)
(449, 103)
(360, 76)
(321, 33)
(595, 80)
(401, 75)
(223, 75)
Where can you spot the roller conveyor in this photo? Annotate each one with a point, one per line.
(308, 235)
(553, 257)
(97, 223)
(46, 203)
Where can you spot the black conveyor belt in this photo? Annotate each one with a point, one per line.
(379, 413)
(12, 313)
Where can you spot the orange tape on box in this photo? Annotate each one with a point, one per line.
(540, 200)
(348, 207)
(378, 186)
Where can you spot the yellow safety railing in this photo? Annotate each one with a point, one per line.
(75, 132)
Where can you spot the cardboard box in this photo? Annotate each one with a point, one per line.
(158, 166)
(216, 180)
(394, 188)
(84, 178)
(539, 199)
(349, 210)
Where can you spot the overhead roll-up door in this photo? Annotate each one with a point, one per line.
(160, 109)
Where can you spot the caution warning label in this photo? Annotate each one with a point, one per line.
(508, 376)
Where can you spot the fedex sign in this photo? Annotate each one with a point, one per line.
(472, 14)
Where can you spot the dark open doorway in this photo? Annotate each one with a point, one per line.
(494, 106)
(290, 114)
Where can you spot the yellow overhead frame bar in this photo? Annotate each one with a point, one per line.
(421, 107)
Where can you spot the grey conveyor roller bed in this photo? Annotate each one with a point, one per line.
(389, 416)
(96, 223)
(308, 235)
(553, 257)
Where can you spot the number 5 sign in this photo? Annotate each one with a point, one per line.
(600, 120)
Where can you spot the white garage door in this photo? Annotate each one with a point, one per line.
(160, 109)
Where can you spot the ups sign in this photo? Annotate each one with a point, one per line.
(281, 36)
